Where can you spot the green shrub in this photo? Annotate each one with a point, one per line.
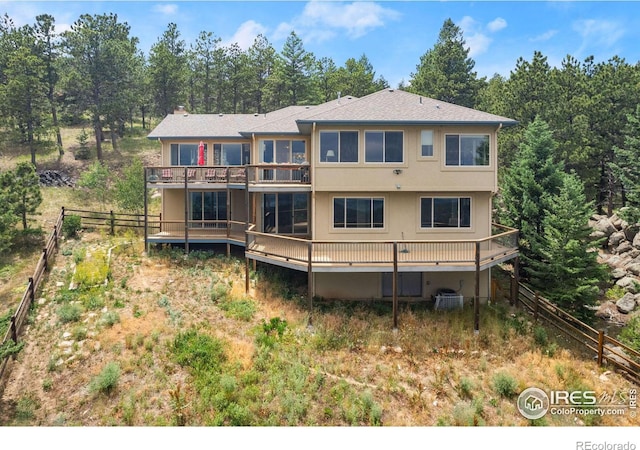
(107, 380)
(92, 271)
(198, 351)
(465, 388)
(505, 385)
(630, 334)
(540, 336)
(109, 318)
(243, 309)
(71, 225)
(69, 312)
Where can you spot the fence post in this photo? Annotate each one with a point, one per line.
(32, 290)
(112, 222)
(14, 329)
(600, 347)
(44, 257)
(55, 236)
(536, 307)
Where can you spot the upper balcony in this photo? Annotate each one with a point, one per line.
(263, 177)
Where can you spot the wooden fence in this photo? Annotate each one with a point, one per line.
(604, 348)
(18, 318)
(110, 219)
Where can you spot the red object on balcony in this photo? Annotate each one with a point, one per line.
(201, 154)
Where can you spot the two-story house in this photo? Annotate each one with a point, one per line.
(384, 196)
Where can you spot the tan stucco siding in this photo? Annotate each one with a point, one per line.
(401, 217)
(369, 285)
(414, 173)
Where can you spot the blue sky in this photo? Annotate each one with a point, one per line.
(393, 34)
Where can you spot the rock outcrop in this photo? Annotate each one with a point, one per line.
(621, 252)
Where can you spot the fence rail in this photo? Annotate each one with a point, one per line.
(604, 347)
(19, 317)
(110, 219)
(89, 218)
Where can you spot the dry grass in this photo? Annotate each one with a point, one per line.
(350, 368)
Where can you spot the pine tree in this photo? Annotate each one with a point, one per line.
(530, 185)
(564, 265)
(626, 167)
(446, 72)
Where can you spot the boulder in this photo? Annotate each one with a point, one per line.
(616, 238)
(605, 226)
(636, 241)
(627, 303)
(618, 273)
(628, 283)
(634, 268)
(616, 221)
(625, 246)
(597, 235)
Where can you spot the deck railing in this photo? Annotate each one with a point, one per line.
(253, 174)
(455, 252)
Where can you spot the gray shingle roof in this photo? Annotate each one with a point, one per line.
(383, 107)
(391, 105)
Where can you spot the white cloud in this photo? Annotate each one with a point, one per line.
(475, 36)
(322, 20)
(600, 32)
(497, 24)
(246, 34)
(168, 9)
(544, 36)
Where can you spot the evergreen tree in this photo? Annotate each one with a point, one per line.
(167, 70)
(626, 167)
(7, 217)
(129, 190)
(446, 72)
(22, 189)
(564, 264)
(292, 82)
(530, 185)
(261, 56)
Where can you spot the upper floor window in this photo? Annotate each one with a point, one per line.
(426, 143)
(282, 151)
(383, 146)
(231, 154)
(339, 146)
(445, 212)
(358, 212)
(186, 154)
(467, 149)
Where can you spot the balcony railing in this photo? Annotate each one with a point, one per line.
(334, 254)
(253, 174)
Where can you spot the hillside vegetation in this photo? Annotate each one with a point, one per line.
(173, 340)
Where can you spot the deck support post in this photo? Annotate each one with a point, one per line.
(246, 228)
(146, 212)
(310, 286)
(395, 285)
(186, 213)
(515, 293)
(228, 222)
(476, 299)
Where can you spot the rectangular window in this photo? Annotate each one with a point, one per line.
(383, 146)
(286, 213)
(359, 212)
(426, 143)
(445, 212)
(208, 209)
(231, 154)
(186, 154)
(467, 150)
(339, 146)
